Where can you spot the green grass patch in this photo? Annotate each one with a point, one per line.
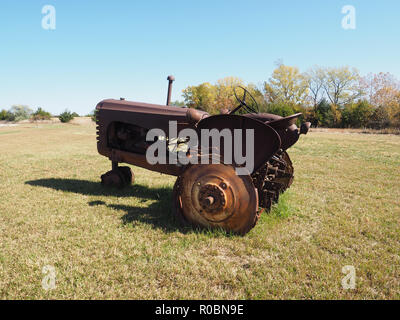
(342, 209)
(8, 132)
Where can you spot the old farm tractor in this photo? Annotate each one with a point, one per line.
(208, 192)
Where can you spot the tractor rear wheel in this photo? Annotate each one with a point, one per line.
(289, 172)
(214, 196)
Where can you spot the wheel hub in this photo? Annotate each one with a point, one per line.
(212, 198)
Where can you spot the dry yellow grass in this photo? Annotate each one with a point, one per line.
(343, 209)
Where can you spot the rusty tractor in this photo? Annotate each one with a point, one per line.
(205, 195)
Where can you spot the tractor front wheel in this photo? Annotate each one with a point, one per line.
(119, 177)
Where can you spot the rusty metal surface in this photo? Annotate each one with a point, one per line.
(204, 195)
(273, 179)
(144, 116)
(118, 177)
(170, 79)
(264, 136)
(275, 121)
(214, 196)
(284, 126)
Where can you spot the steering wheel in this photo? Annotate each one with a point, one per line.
(243, 104)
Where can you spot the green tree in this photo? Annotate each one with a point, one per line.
(201, 97)
(3, 114)
(342, 85)
(218, 97)
(20, 112)
(383, 91)
(380, 118)
(324, 114)
(66, 116)
(286, 85)
(315, 81)
(40, 114)
(224, 93)
(258, 95)
(280, 108)
(357, 115)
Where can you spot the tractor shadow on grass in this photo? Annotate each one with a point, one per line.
(159, 214)
(92, 188)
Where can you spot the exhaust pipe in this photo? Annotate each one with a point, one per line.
(170, 80)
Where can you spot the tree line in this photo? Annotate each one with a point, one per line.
(21, 112)
(328, 97)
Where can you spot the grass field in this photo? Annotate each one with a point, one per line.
(343, 209)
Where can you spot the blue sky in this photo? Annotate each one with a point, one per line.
(112, 49)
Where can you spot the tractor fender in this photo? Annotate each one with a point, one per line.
(266, 140)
